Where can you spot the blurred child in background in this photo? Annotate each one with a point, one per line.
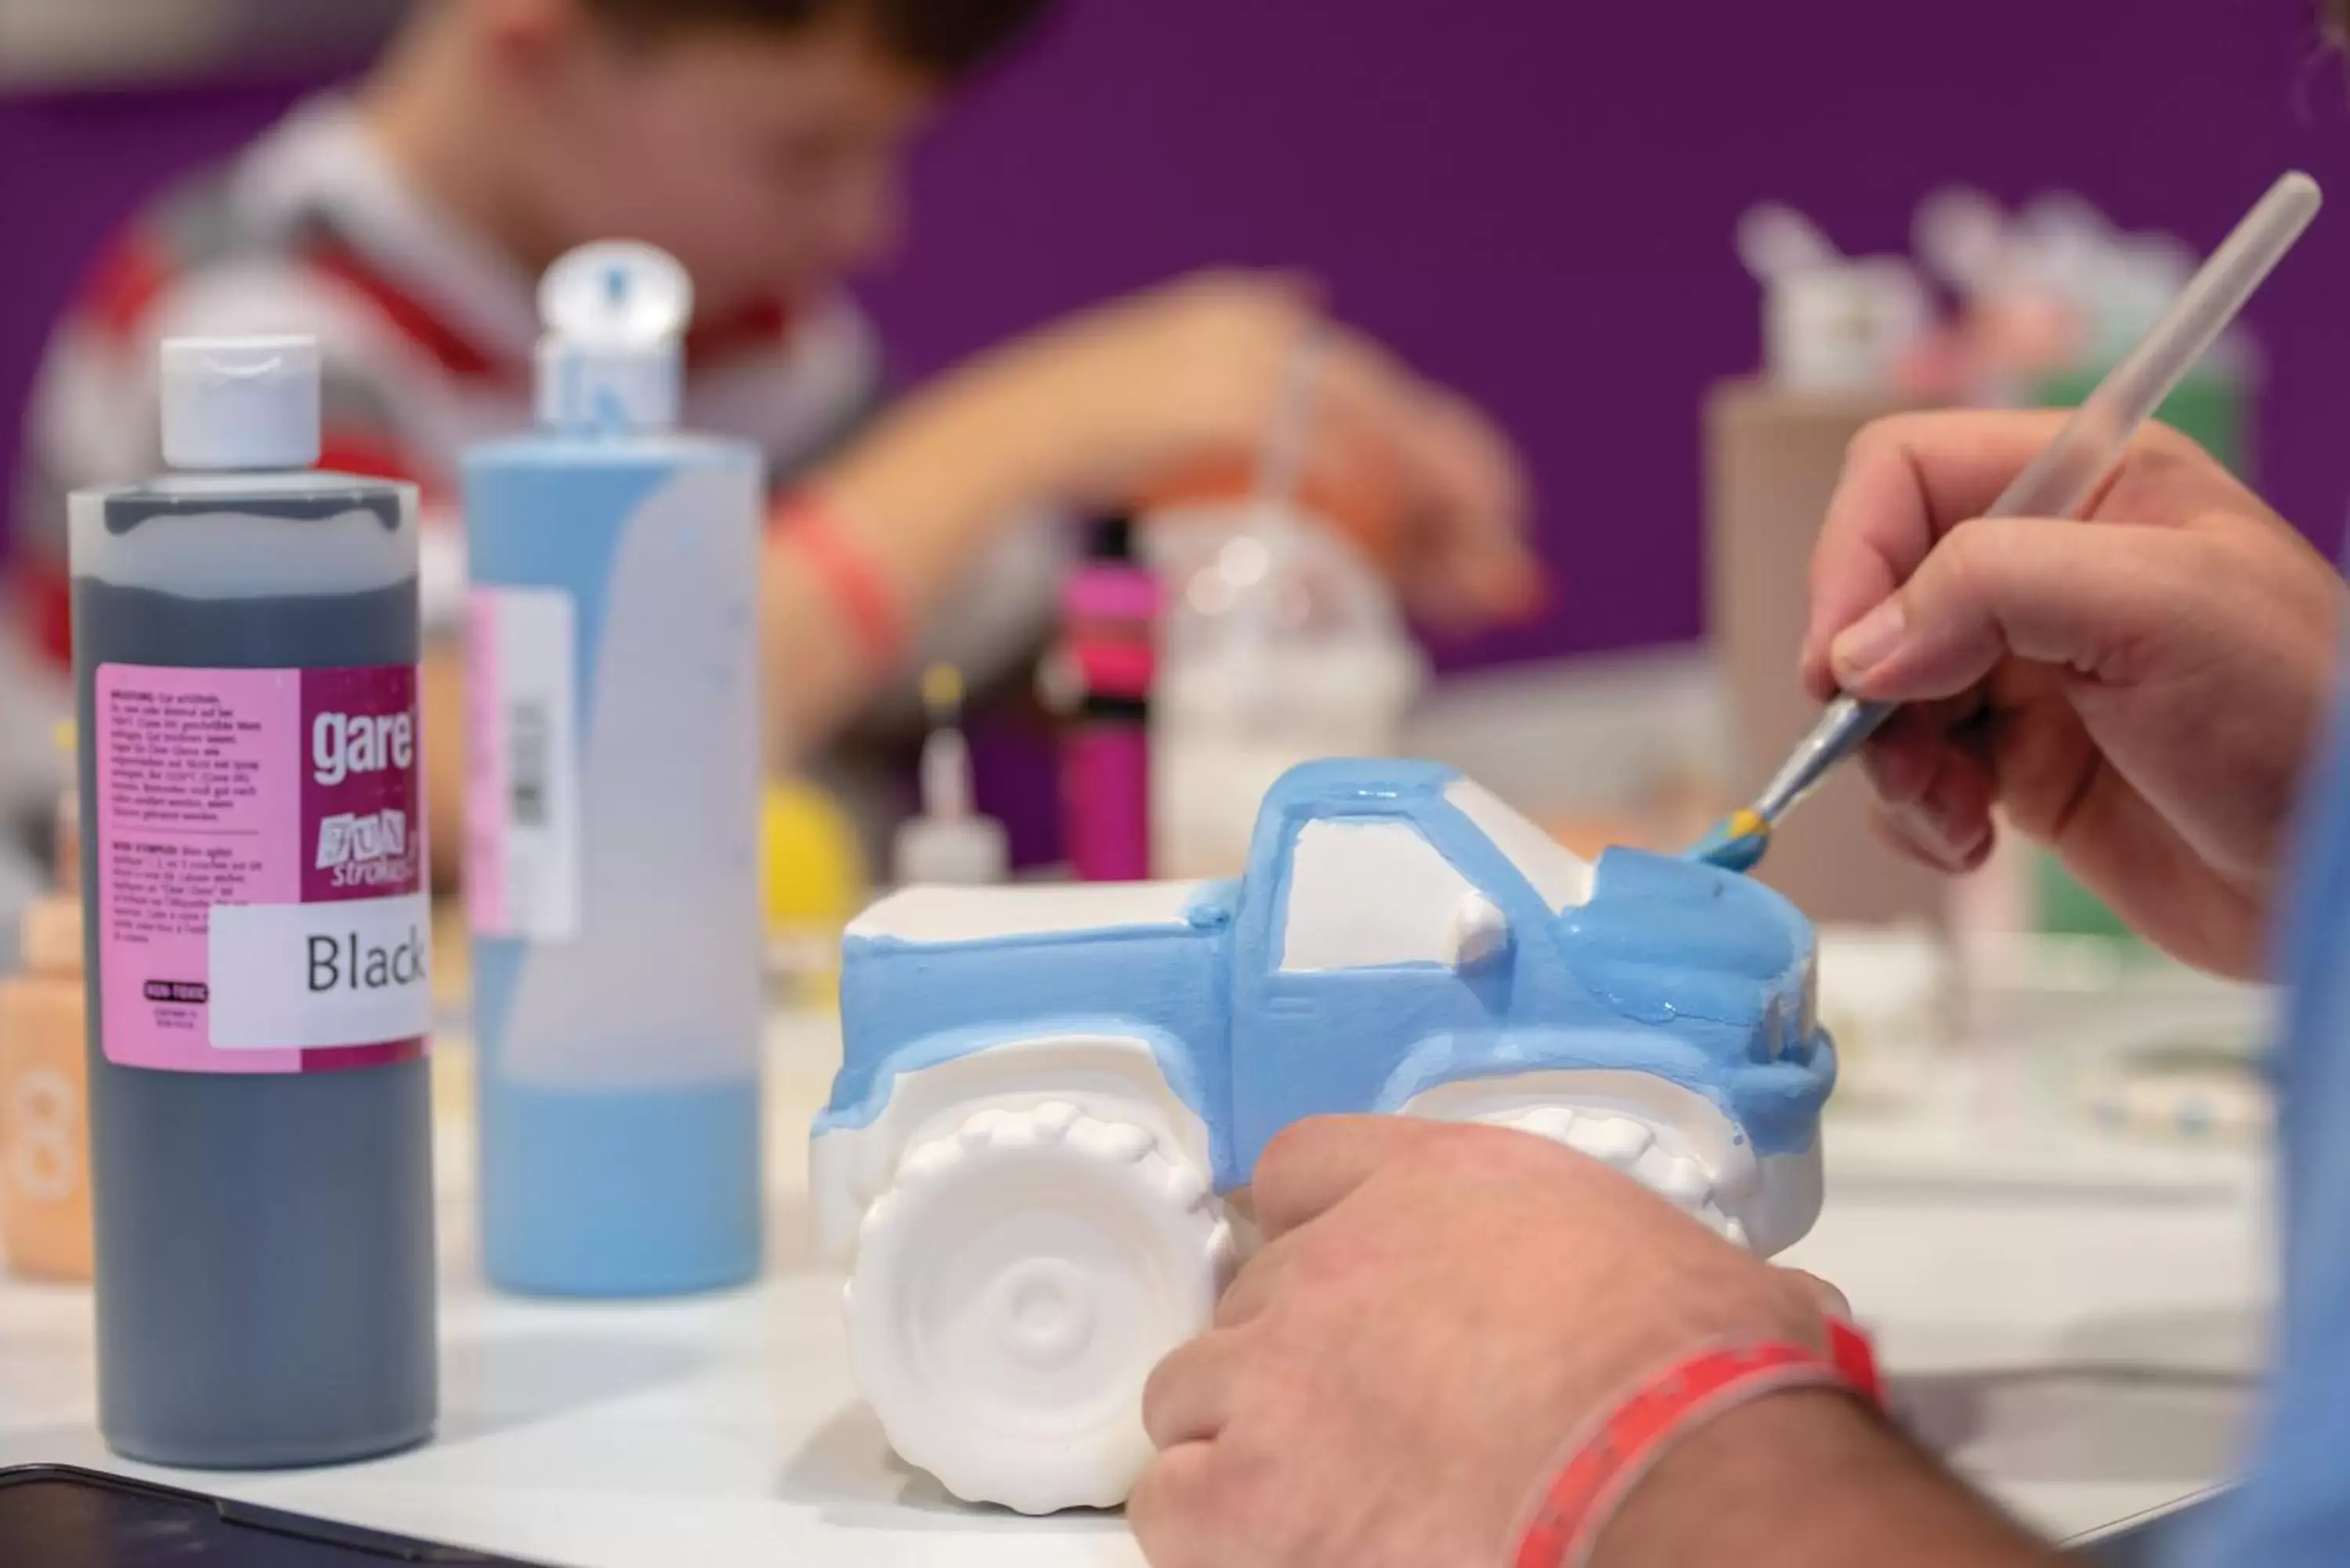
(762, 141)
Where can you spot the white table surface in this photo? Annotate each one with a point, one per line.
(2075, 1326)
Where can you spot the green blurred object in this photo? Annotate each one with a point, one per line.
(2214, 407)
(2062, 906)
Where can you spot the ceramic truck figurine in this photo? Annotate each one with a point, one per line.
(1048, 1091)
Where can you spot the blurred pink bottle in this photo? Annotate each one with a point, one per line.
(1111, 605)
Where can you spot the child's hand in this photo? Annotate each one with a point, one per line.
(1139, 391)
(2138, 691)
(1128, 401)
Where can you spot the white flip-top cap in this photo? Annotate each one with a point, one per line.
(613, 358)
(1844, 328)
(240, 402)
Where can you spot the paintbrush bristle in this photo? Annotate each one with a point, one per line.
(1737, 844)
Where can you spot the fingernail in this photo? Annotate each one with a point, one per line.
(1954, 843)
(1868, 641)
(1934, 808)
(1926, 835)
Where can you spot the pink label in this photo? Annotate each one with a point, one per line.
(261, 854)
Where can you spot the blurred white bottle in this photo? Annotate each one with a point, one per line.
(1831, 323)
(1281, 645)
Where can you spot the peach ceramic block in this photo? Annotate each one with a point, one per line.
(45, 1214)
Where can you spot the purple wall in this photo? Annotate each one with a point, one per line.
(1535, 199)
(1466, 186)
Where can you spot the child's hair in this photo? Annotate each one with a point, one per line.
(2336, 16)
(944, 38)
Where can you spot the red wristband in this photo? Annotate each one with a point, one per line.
(1608, 1459)
(875, 614)
(1855, 1357)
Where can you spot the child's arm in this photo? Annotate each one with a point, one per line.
(1096, 410)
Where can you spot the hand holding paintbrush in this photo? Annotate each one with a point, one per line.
(2082, 454)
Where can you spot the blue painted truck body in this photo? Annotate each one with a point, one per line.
(1659, 966)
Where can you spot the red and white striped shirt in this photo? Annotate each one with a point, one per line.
(427, 331)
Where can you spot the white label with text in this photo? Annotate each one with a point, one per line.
(318, 977)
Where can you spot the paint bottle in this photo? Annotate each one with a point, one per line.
(1110, 609)
(949, 841)
(1832, 323)
(612, 810)
(1280, 646)
(45, 1217)
(246, 638)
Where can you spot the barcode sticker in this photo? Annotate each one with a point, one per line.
(522, 815)
(529, 725)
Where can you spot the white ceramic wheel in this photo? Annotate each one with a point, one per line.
(1012, 1291)
(1668, 1138)
(1656, 1157)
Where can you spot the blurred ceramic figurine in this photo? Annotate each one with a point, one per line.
(44, 1208)
(1048, 1091)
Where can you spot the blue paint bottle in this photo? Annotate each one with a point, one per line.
(612, 812)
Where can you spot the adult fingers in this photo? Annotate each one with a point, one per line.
(1260, 1280)
(1925, 841)
(1907, 481)
(1190, 1394)
(1312, 1165)
(2093, 597)
(1942, 790)
(1831, 1300)
(1168, 1511)
(1903, 756)
(1911, 478)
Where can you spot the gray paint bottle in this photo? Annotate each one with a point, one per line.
(246, 638)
